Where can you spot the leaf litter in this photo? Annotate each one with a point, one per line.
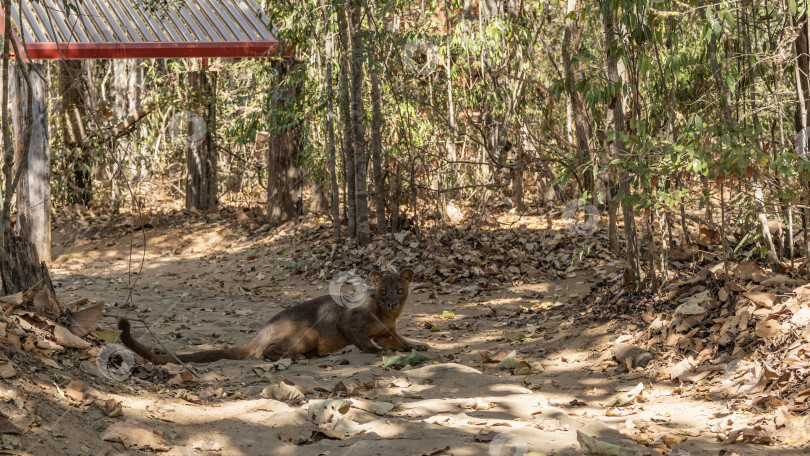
(740, 337)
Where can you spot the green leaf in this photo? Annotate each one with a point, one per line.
(413, 359)
(792, 7)
(108, 336)
(717, 28)
(448, 314)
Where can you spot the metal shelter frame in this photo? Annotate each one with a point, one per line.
(122, 29)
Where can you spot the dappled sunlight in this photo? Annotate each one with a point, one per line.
(221, 294)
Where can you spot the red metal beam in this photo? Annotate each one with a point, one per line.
(13, 35)
(147, 50)
(70, 51)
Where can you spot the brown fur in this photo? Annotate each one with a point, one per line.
(314, 328)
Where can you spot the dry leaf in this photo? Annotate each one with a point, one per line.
(592, 446)
(186, 395)
(12, 301)
(691, 307)
(75, 390)
(674, 439)
(761, 299)
(742, 377)
(616, 411)
(488, 357)
(7, 369)
(681, 369)
(749, 271)
(182, 377)
(756, 434)
(636, 355)
(330, 417)
(476, 404)
(45, 305)
(135, 436)
(67, 339)
(625, 398)
(84, 321)
(795, 429)
(348, 387)
(284, 391)
(734, 286)
(768, 328)
(510, 362)
(113, 408)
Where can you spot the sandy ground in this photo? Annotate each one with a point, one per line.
(203, 286)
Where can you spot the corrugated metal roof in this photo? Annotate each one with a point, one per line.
(119, 28)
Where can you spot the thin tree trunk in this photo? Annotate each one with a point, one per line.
(201, 153)
(770, 249)
(74, 90)
(801, 48)
(517, 182)
(330, 122)
(358, 133)
(633, 270)
(376, 147)
(582, 126)
(346, 116)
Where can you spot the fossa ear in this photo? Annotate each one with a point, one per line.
(406, 274)
(376, 277)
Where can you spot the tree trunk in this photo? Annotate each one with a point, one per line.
(517, 183)
(376, 147)
(330, 123)
(632, 267)
(74, 90)
(581, 124)
(358, 134)
(285, 179)
(34, 190)
(770, 248)
(20, 268)
(127, 83)
(613, 206)
(201, 152)
(5, 125)
(801, 47)
(346, 116)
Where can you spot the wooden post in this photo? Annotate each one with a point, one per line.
(34, 191)
(201, 153)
